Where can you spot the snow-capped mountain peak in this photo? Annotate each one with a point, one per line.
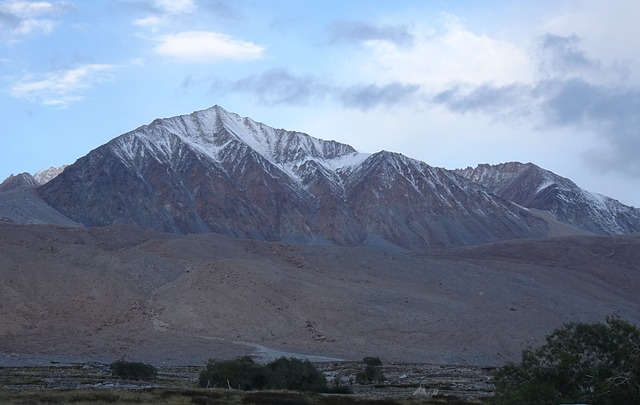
(214, 132)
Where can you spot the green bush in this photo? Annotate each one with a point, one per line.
(295, 374)
(372, 372)
(128, 370)
(598, 364)
(242, 373)
(245, 374)
(372, 361)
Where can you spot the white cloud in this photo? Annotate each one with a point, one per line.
(28, 8)
(61, 87)
(19, 19)
(438, 58)
(205, 46)
(164, 12)
(175, 6)
(150, 21)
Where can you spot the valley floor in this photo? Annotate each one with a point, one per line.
(93, 383)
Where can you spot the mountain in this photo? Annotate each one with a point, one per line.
(533, 187)
(214, 171)
(21, 204)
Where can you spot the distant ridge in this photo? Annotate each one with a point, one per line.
(533, 187)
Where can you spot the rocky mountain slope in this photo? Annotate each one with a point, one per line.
(182, 299)
(214, 171)
(533, 187)
(20, 203)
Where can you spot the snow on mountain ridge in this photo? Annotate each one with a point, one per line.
(214, 171)
(211, 132)
(46, 175)
(534, 187)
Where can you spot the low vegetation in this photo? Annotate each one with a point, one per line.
(597, 364)
(372, 373)
(245, 374)
(128, 370)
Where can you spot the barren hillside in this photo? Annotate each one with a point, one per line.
(103, 293)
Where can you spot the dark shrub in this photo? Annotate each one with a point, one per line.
(242, 373)
(372, 372)
(295, 374)
(128, 370)
(245, 374)
(372, 361)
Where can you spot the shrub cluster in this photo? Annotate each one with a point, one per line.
(244, 374)
(128, 370)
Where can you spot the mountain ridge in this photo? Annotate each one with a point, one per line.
(215, 171)
(533, 187)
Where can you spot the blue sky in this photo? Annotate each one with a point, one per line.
(452, 83)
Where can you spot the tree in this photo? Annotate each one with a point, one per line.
(589, 363)
(372, 372)
(242, 373)
(295, 374)
(133, 370)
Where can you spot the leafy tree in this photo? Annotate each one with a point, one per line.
(242, 373)
(245, 374)
(372, 361)
(372, 372)
(128, 370)
(295, 374)
(587, 363)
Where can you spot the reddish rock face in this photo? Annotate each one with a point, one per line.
(213, 171)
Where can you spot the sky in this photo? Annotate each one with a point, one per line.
(451, 83)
